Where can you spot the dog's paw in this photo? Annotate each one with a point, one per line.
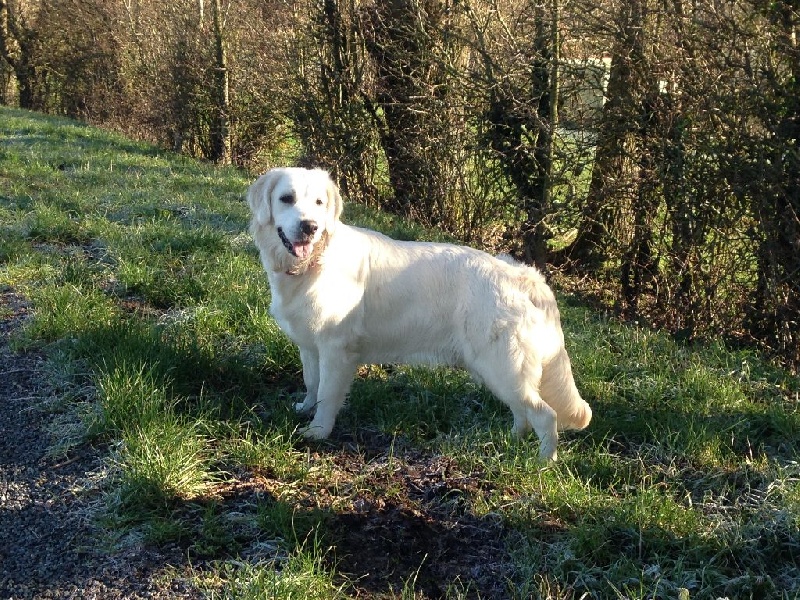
(303, 408)
(315, 432)
(306, 406)
(548, 452)
(307, 433)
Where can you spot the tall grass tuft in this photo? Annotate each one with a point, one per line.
(130, 398)
(302, 576)
(160, 464)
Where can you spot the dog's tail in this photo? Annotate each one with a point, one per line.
(558, 389)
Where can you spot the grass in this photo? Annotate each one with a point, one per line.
(149, 301)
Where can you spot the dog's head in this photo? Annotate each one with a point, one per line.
(294, 211)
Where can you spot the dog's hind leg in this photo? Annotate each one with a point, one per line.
(544, 422)
(527, 406)
(531, 412)
(336, 372)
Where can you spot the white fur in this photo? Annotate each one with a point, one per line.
(356, 296)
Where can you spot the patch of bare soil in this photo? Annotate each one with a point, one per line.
(410, 523)
(48, 547)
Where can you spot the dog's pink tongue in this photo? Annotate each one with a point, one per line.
(302, 250)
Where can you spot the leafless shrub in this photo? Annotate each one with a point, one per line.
(651, 147)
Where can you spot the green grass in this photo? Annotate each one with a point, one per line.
(148, 299)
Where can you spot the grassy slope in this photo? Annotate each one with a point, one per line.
(150, 301)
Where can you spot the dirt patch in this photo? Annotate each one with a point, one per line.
(395, 545)
(408, 522)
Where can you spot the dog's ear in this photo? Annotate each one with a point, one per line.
(259, 196)
(335, 205)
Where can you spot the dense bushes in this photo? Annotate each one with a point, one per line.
(652, 147)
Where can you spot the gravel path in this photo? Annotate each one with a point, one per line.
(49, 547)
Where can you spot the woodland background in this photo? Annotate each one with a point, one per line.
(649, 149)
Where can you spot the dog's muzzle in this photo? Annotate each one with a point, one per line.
(301, 248)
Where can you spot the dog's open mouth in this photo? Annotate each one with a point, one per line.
(300, 249)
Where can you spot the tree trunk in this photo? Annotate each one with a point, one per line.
(775, 312)
(544, 85)
(221, 138)
(16, 49)
(410, 94)
(522, 121)
(612, 190)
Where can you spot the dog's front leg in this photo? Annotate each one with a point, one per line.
(336, 372)
(310, 360)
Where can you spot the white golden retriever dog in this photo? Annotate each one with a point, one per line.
(348, 296)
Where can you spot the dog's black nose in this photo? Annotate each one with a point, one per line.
(308, 227)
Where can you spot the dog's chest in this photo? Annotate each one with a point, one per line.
(306, 314)
(293, 313)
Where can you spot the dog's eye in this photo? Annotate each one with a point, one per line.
(319, 202)
(287, 199)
